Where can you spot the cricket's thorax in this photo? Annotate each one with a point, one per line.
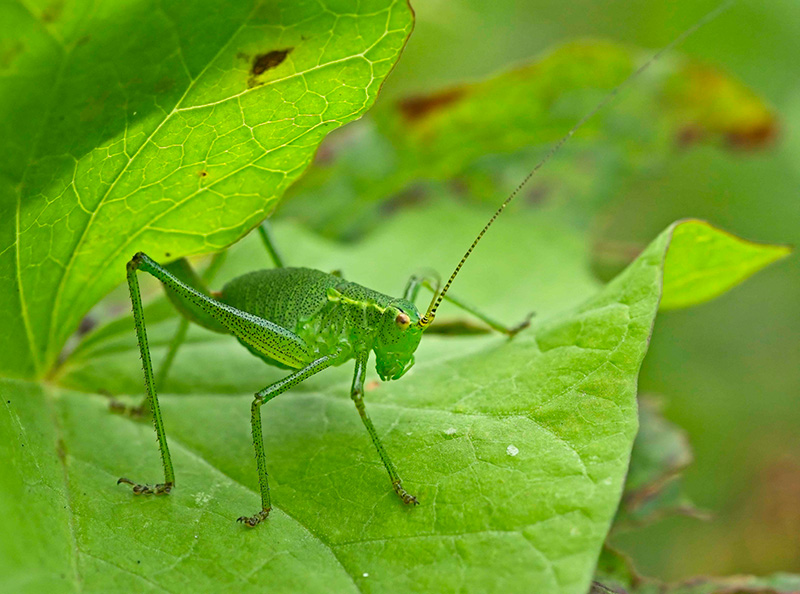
(327, 312)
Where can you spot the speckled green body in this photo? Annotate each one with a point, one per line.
(330, 315)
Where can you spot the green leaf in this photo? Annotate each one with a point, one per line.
(490, 133)
(530, 517)
(716, 262)
(168, 127)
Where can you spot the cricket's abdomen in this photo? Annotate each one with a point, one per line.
(292, 298)
(284, 296)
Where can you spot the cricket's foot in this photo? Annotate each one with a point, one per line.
(160, 489)
(407, 497)
(256, 519)
(512, 332)
(137, 412)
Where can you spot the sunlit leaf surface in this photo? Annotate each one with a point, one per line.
(169, 127)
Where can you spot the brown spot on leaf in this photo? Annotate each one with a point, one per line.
(53, 11)
(9, 54)
(409, 197)
(94, 107)
(537, 194)
(87, 325)
(417, 108)
(163, 85)
(689, 135)
(203, 173)
(755, 137)
(268, 61)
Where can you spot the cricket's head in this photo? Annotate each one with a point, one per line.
(398, 337)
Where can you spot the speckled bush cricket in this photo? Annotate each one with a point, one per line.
(332, 322)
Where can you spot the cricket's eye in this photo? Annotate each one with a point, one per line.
(402, 320)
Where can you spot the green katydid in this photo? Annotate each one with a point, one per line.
(306, 320)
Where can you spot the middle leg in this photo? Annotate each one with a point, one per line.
(357, 394)
(261, 397)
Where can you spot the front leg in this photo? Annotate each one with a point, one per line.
(357, 394)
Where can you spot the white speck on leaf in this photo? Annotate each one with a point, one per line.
(450, 431)
(202, 498)
(365, 574)
(512, 450)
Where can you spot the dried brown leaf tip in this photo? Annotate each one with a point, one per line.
(716, 105)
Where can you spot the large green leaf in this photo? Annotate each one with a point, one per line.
(170, 127)
(517, 450)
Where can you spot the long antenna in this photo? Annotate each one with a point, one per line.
(427, 319)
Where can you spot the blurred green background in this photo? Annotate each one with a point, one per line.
(728, 370)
